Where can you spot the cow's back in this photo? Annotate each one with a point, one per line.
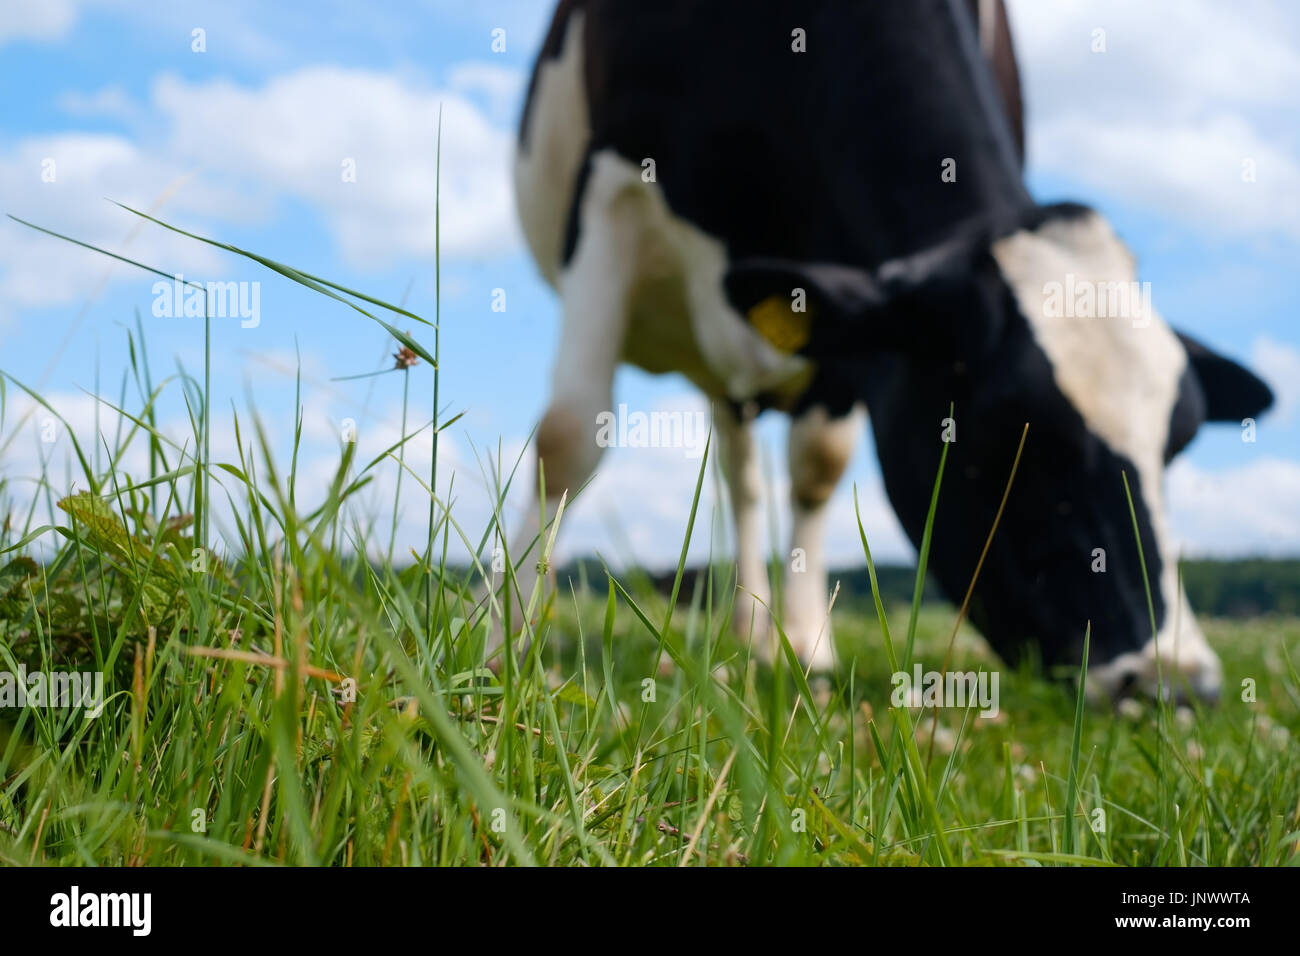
(834, 153)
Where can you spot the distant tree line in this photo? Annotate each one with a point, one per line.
(1240, 588)
(1244, 588)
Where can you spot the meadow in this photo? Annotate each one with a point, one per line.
(281, 696)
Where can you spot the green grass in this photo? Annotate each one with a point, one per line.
(633, 730)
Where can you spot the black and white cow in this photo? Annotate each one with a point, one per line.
(836, 220)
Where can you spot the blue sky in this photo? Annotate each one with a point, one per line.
(246, 140)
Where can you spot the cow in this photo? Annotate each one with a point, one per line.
(817, 207)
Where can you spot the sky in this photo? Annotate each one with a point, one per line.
(308, 133)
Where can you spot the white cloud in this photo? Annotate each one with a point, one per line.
(1279, 365)
(1186, 52)
(291, 137)
(502, 87)
(1165, 117)
(227, 25)
(284, 140)
(1250, 509)
(1192, 171)
(37, 20)
(86, 167)
(34, 441)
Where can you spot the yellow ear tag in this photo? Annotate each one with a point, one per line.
(781, 325)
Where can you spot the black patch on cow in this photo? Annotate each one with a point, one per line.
(830, 155)
(573, 222)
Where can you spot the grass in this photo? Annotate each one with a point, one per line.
(277, 698)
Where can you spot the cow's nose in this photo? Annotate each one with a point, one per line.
(1139, 678)
(1178, 667)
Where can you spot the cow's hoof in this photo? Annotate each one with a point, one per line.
(812, 644)
(809, 638)
(821, 658)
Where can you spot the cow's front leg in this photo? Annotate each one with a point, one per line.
(594, 292)
(820, 447)
(739, 460)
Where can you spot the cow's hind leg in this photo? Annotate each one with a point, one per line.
(820, 447)
(739, 459)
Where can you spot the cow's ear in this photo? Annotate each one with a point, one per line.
(1231, 391)
(813, 309)
(845, 291)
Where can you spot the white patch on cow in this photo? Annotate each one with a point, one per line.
(1123, 378)
(675, 309)
(745, 363)
(559, 128)
(679, 316)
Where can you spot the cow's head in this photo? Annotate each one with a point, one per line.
(1044, 324)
